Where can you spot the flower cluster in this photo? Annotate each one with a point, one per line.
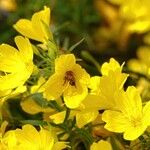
(67, 106)
(135, 12)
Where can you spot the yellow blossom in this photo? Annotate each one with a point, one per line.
(131, 119)
(8, 5)
(69, 80)
(15, 66)
(38, 28)
(105, 88)
(142, 64)
(29, 138)
(136, 13)
(101, 145)
(102, 94)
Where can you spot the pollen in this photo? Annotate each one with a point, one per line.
(69, 77)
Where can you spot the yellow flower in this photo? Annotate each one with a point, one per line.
(38, 28)
(69, 80)
(102, 94)
(101, 145)
(142, 64)
(131, 119)
(15, 66)
(105, 88)
(111, 82)
(8, 5)
(136, 12)
(29, 138)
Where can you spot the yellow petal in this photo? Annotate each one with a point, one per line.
(37, 23)
(81, 75)
(47, 140)
(58, 117)
(140, 26)
(94, 102)
(11, 81)
(35, 29)
(31, 107)
(74, 95)
(115, 121)
(113, 65)
(133, 133)
(109, 92)
(10, 140)
(94, 85)
(101, 145)
(25, 48)
(28, 135)
(131, 102)
(64, 63)
(54, 87)
(25, 27)
(9, 59)
(86, 116)
(59, 146)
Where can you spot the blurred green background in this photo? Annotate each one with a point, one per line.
(72, 20)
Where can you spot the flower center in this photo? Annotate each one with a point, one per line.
(136, 122)
(69, 77)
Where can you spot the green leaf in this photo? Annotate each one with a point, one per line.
(75, 45)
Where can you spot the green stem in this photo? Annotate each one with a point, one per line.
(67, 115)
